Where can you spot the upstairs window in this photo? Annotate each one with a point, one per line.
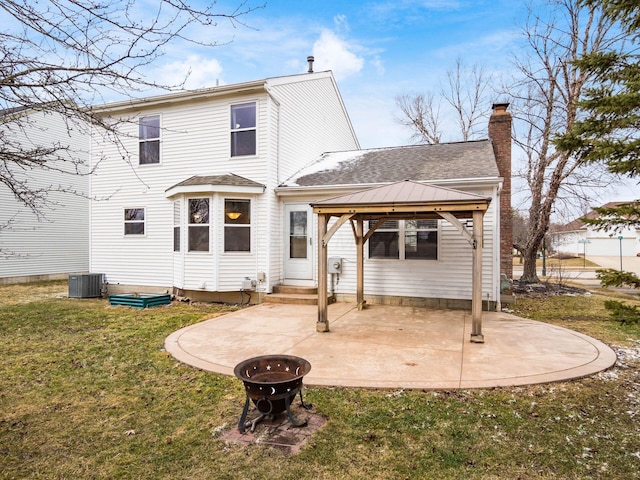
(149, 139)
(405, 240)
(243, 129)
(237, 225)
(198, 225)
(134, 221)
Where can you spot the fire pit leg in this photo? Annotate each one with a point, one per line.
(306, 406)
(243, 418)
(292, 419)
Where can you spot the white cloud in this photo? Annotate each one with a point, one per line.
(333, 53)
(199, 72)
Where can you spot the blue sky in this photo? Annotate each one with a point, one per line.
(376, 49)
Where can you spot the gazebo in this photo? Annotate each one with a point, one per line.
(406, 200)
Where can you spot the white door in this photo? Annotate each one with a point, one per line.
(298, 225)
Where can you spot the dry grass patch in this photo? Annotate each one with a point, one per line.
(87, 391)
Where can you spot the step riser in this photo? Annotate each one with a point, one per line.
(290, 300)
(289, 289)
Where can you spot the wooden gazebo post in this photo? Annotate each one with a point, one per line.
(322, 324)
(476, 295)
(360, 263)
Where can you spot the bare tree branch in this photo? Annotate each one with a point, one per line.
(422, 116)
(465, 94)
(61, 56)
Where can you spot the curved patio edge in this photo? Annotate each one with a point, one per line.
(393, 347)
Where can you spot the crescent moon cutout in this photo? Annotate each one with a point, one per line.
(297, 370)
(273, 390)
(247, 373)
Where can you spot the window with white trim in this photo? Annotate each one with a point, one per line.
(243, 129)
(177, 205)
(405, 240)
(149, 139)
(237, 225)
(134, 221)
(198, 228)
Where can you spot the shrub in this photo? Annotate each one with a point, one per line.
(625, 314)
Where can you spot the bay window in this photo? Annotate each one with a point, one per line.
(176, 225)
(237, 225)
(198, 229)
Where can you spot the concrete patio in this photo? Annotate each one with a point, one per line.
(394, 347)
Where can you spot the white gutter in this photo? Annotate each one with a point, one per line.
(283, 191)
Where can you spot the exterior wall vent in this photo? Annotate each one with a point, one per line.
(87, 285)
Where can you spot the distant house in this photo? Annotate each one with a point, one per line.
(577, 238)
(213, 199)
(55, 244)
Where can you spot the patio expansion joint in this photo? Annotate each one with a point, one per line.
(464, 347)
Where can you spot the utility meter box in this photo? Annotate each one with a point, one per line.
(334, 265)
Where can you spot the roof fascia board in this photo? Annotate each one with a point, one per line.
(200, 189)
(182, 97)
(374, 209)
(485, 182)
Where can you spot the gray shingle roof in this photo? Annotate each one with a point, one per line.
(443, 161)
(230, 179)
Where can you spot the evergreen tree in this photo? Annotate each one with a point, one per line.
(609, 132)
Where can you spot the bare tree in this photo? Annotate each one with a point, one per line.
(60, 57)
(545, 105)
(464, 93)
(422, 115)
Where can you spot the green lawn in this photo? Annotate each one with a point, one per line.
(87, 391)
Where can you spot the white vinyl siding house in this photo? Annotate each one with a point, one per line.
(229, 201)
(447, 278)
(200, 132)
(57, 244)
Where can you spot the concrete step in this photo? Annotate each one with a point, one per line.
(289, 294)
(292, 289)
(291, 298)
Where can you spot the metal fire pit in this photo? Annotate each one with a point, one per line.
(272, 383)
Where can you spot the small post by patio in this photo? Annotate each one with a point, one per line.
(398, 201)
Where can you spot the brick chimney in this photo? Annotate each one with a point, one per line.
(500, 136)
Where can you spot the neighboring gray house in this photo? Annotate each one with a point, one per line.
(56, 244)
